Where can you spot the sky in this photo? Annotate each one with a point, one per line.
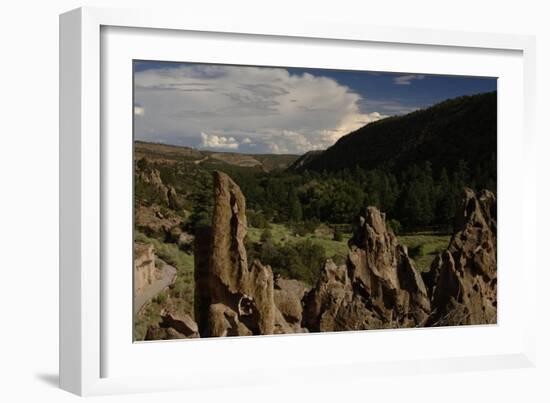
(276, 110)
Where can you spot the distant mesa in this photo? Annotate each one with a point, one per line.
(171, 154)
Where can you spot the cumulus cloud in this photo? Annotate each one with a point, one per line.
(407, 79)
(214, 141)
(247, 109)
(139, 110)
(387, 107)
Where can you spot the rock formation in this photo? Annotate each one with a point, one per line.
(168, 194)
(232, 298)
(288, 296)
(158, 224)
(378, 288)
(144, 266)
(463, 279)
(173, 326)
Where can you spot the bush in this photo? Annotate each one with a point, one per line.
(256, 219)
(266, 236)
(417, 251)
(161, 298)
(301, 261)
(395, 226)
(305, 227)
(338, 237)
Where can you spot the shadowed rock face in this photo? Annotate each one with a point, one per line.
(463, 279)
(378, 288)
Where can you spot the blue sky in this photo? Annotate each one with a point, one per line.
(276, 110)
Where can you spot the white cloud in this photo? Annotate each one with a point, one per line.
(407, 79)
(214, 141)
(139, 110)
(241, 108)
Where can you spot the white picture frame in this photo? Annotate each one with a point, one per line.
(96, 357)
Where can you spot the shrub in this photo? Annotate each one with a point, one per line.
(256, 219)
(301, 261)
(395, 226)
(417, 251)
(305, 227)
(266, 235)
(161, 298)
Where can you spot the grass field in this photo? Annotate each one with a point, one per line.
(282, 234)
(424, 247)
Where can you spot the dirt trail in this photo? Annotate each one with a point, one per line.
(168, 275)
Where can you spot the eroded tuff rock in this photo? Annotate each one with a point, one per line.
(168, 193)
(463, 279)
(173, 326)
(288, 296)
(144, 266)
(232, 298)
(157, 224)
(378, 288)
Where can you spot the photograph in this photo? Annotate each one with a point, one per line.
(273, 200)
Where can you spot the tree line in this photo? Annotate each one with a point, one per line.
(415, 198)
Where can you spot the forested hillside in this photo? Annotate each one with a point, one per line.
(459, 129)
(414, 167)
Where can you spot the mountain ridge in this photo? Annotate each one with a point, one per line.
(462, 128)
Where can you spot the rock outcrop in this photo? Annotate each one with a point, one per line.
(168, 193)
(378, 288)
(144, 266)
(232, 298)
(288, 296)
(155, 223)
(463, 279)
(173, 326)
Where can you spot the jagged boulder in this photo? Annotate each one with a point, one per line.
(231, 296)
(382, 272)
(379, 286)
(173, 326)
(181, 322)
(288, 295)
(463, 279)
(323, 304)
